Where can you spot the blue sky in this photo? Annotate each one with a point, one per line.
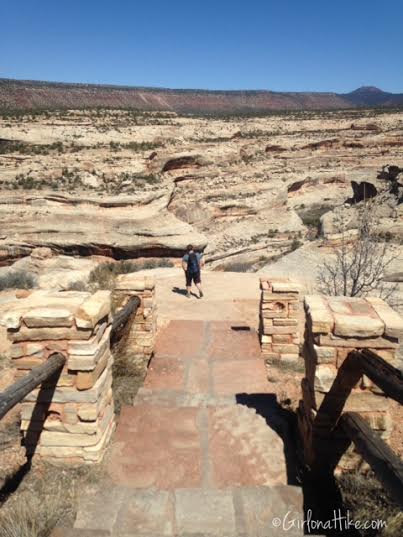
(282, 45)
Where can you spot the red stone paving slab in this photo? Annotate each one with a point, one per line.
(180, 339)
(239, 376)
(156, 446)
(165, 374)
(227, 343)
(241, 448)
(198, 379)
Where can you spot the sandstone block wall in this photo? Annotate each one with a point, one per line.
(334, 327)
(72, 420)
(139, 343)
(279, 319)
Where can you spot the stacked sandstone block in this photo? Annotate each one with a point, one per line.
(72, 420)
(335, 326)
(279, 319)
(139, 343)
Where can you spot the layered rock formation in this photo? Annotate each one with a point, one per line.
(126, 184)
(31, 94)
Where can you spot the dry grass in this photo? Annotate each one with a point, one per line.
(46, 498)
(366, 500)
(33, 516)
(104, 275)
(128, 377)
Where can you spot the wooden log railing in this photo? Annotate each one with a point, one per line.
(41, 373)
(333, 431)
(17, 391)
(122, 316)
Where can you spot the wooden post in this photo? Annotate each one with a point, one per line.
(327, 442)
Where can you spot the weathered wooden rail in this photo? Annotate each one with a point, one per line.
(41, 373)
(17, 391)
(333, 431)
(387, 466)
(122, 316)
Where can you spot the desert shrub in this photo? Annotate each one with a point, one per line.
(139, 179)
(295, 244)
(154, 263)
(26, 148)
(17, 280)
(357, 268)
(238, 266)
(104, 275)
(134, 146)
(77, 286)
(365, 498)
(311, 217)
(4, 361)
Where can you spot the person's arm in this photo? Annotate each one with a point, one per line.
(184, 264)
(201, 261)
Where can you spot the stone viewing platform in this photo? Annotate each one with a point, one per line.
(335, 326)
(69, 418)
(202, 450)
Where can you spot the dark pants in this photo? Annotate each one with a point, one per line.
(192, 276)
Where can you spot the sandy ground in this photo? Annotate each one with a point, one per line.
(228, 296)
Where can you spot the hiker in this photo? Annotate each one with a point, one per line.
(191, 263)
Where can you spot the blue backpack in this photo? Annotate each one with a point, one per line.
(193, 264)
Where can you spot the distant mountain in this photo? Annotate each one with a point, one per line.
(32, 95)
(371, 96)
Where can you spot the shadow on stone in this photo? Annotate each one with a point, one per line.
(323, 504)
(39, 414)
(179, 291)
(282, 421)
(183, 292)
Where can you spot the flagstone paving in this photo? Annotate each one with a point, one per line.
(195, 455)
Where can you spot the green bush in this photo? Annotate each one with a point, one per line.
(103, 276)
(77, 286)
(238, 266)
(311, 217)
(18, 279)
(295, 244)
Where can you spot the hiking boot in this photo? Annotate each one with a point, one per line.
(188, 295)
(201, 294)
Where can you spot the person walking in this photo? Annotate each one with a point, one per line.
(191, 263)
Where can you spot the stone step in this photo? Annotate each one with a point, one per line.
(181, 399)
(74, 532)
(230, 512)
